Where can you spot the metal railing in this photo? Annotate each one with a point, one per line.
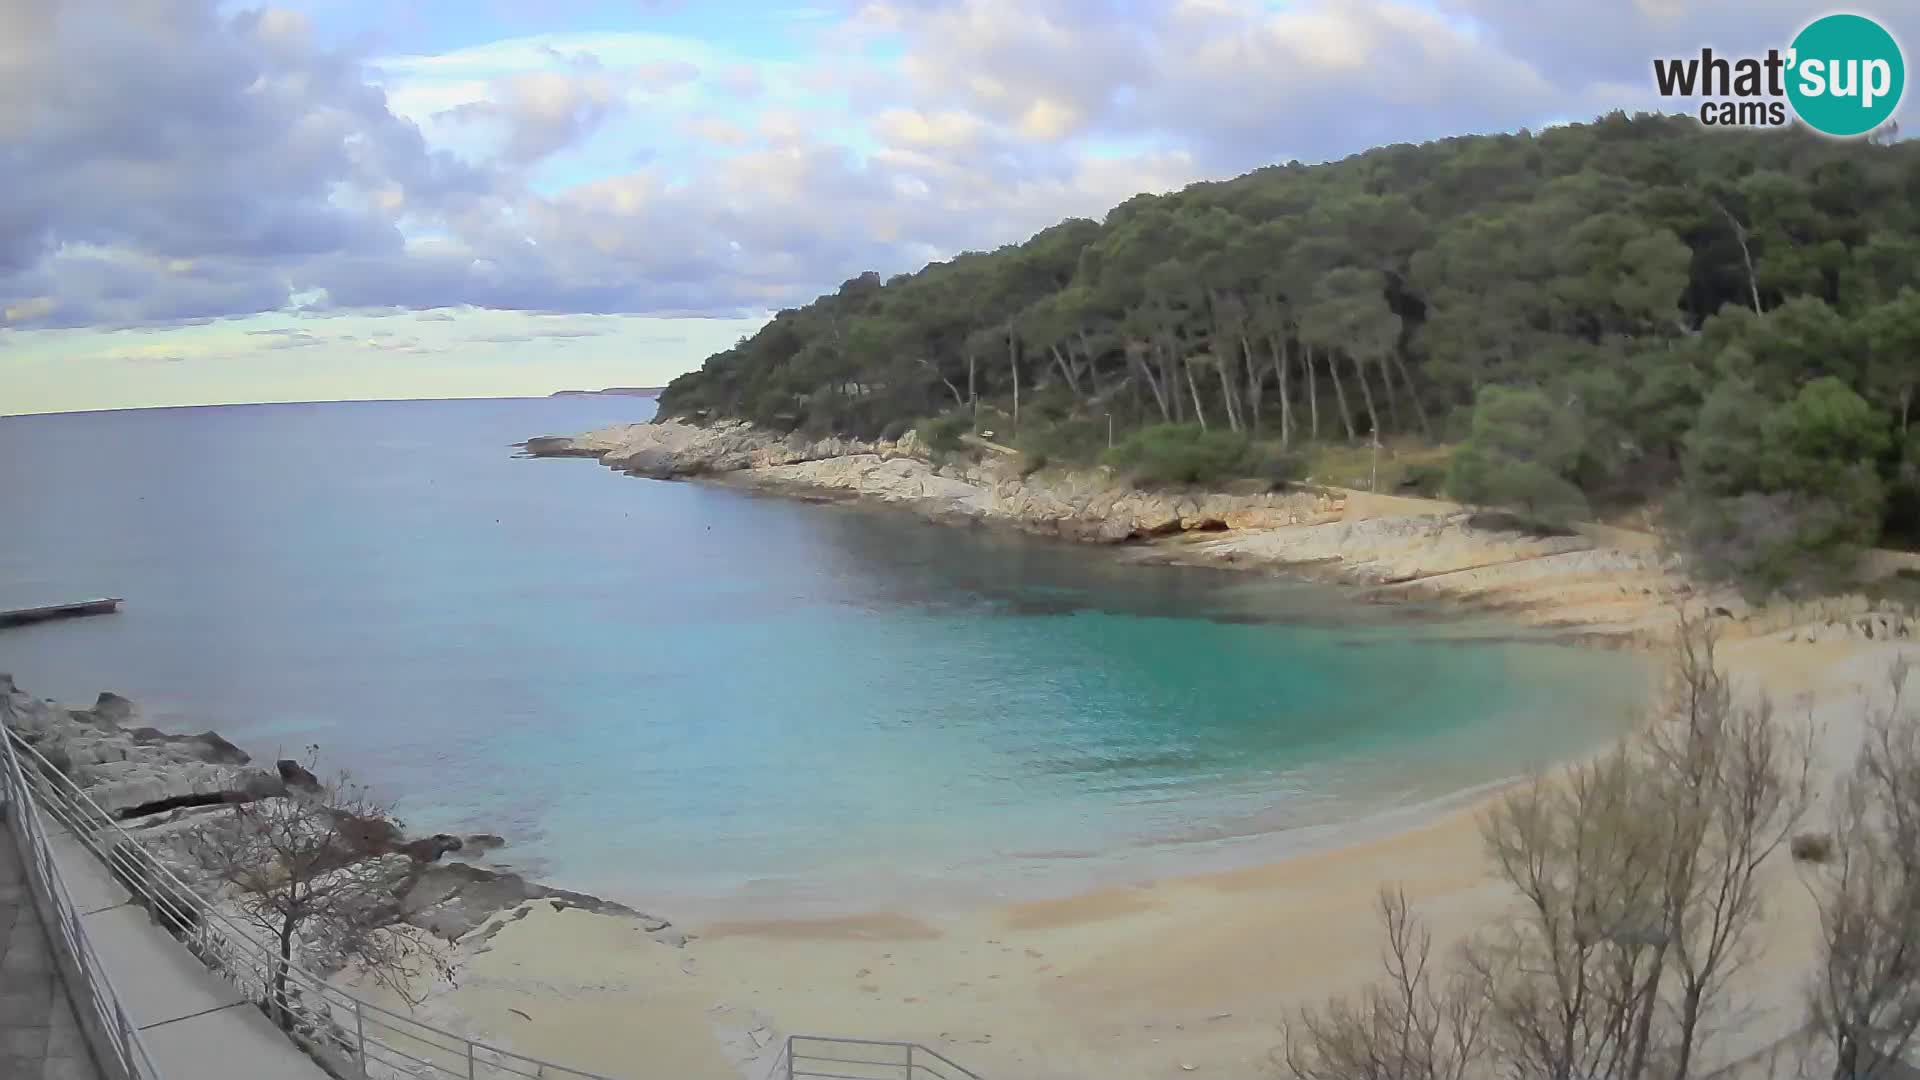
(348, 1035)
(816, 1057)
(110, 1030)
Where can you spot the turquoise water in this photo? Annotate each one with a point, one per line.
(671, 692)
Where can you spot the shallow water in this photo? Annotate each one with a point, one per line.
(676, 693)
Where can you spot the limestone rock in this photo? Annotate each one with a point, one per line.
(295, 775)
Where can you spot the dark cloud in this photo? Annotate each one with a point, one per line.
(193, 161)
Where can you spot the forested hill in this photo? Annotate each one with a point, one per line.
(1600, 313)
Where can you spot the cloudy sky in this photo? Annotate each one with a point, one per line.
(209, 201)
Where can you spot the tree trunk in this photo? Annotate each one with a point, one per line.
(281, 1015)
(958, 401)
(1253, 384)
(1649, 1000)
(1340, 394)
(1393, 398)
(1195, 390)
(1282, 360)
(1159, 392)
(1313, 394)
(1226, 392)
(1413, 392)
(1740, 234)
(1170, 378)
(1066, 372)
(972, 397)
(1366, 395)
(1689, 1031)
(1013, 363)
(1094, 389)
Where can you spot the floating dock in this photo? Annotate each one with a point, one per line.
(23, 616)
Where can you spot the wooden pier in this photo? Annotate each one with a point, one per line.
(23, 616)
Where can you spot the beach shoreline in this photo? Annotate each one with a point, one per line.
(1188, 972)
(1185, 974)
(1192, 974)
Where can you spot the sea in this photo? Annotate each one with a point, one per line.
(681, 695)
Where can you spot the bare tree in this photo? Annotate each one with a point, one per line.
(1637, 875)
(310, 867)
(1866, 987)
(1568, 977)
(1414, 1025)
(1731, 784)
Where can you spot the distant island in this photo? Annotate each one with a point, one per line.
(617, 391)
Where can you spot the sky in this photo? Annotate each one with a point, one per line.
(204, 201)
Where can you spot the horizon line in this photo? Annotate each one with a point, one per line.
(328, 401)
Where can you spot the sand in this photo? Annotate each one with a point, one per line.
(1185, 977)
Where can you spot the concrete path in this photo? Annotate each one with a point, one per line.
(196, 1024)
(39, 1039)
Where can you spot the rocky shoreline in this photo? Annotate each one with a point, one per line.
(1593, 584)
(1085, 506)
(163, 788)
(1596, 582)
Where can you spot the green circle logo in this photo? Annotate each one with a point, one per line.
(1847, 75)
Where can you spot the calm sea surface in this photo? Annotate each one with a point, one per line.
(673, 693)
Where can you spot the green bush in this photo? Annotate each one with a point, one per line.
(1070, 441)
(1782, 496)
(1521, 451)
(942, 434)
(1277, 465)
(1427, 479)
(1175, 455)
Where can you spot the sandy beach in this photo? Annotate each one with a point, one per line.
(1185, 976)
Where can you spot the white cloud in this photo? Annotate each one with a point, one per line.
(650, 174)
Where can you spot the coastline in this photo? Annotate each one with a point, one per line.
(1193, 973)
(1187, 973)
(1592, 584)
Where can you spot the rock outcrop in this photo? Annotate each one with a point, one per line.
(1085, 505)
(132, 771)
(167, 789)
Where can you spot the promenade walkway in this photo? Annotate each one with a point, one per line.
(39, 1038)
(196, 1024)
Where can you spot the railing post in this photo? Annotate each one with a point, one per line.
(360, 1036)
(469, 1059)
(909, 1061)
(789, 1057)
